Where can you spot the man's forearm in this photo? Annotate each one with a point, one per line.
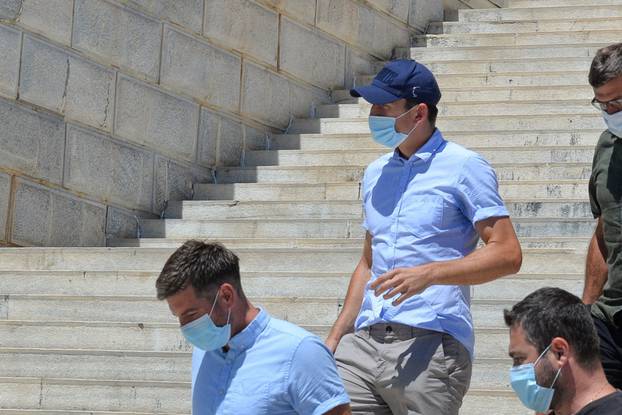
(483, 265)
(352, 303)
(595, 271)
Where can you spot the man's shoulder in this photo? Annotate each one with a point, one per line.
(288, 334)
(380, 162)
(455, 150)
(606, 139)
(607, 405)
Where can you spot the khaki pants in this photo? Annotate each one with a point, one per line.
(401, 370)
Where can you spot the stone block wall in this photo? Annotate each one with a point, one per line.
(110, 108)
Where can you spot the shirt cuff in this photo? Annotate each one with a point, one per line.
(490, 212)
(331, 403)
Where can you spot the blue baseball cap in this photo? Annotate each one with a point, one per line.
(402, 78)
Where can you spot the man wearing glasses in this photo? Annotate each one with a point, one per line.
(603, 274)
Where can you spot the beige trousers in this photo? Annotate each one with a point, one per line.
(401, 370)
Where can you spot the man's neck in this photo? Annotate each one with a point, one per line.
(247, 314)
(587, 387)
(413, 143)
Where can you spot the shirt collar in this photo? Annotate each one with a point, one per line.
(427, 150)
(246, 338)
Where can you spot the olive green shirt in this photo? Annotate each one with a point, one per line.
(605, 198)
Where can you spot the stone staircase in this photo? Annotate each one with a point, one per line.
(81, 331)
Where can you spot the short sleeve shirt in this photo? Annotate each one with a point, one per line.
(272, 367)
(605, 189)
(423, 210)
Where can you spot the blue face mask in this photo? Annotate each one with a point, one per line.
(383, 130)
(204, 334)
(614, 122)
(532, 395)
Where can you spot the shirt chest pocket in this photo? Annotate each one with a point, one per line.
(422, 215)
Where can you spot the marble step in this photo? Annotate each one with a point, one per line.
(364, 156)
(349, 142)
(562, 12)
(518, 39)
(451, 124)
(528, 27)
(536, 190)
(306, 175)
(221, 210)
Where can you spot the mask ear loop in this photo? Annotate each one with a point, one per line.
(415, 127)
(214, 305)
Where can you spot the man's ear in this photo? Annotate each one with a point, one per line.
(227, 294)
(561, 350)
(422, 112)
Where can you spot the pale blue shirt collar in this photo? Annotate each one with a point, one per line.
(247, 337)
(426, 150)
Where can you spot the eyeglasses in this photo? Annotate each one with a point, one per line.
(602, 106)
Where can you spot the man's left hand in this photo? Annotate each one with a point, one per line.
(403, 281)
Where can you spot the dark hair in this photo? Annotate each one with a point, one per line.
(607, 65)
(199, 264)
(432, 109)
(552, 312)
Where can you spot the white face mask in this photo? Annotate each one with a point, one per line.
(614, 122)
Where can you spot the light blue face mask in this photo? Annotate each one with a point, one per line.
(614, 122)
(204, 334)
(383, 130)
(532, 395)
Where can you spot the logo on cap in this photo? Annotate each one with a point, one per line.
(415, 91)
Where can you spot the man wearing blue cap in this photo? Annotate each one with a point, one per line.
(426, 204)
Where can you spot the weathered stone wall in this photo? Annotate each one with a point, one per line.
(109, 108)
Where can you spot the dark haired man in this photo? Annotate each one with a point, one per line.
(604, 260)
(249, 363)
(556, 364)
(426, 204)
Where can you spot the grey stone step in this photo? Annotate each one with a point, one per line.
(538, 66)
(491, 53)
(541, 13)
(564, 189)
(73, 395)
(549, 78)
(490, 401)
(72, 412)
(498, 94)
(144, 366)
(251, 260)
(65, 395)
(548, 26)
(518, 39)
(340, 174)
(451, 124)
(221, 210)
(306, 311)
(540, 242)
(330, 228)
(457, 109)
(348, 142)
(163, 337)
(269, 284)
(515, 155)
(515, 4)
(96, 364)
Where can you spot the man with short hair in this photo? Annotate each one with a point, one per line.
(554, 349)
(426, 205)
(604, 259)
(250, 362)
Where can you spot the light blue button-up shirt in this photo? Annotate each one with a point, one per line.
(272, 367)
(423, 210)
